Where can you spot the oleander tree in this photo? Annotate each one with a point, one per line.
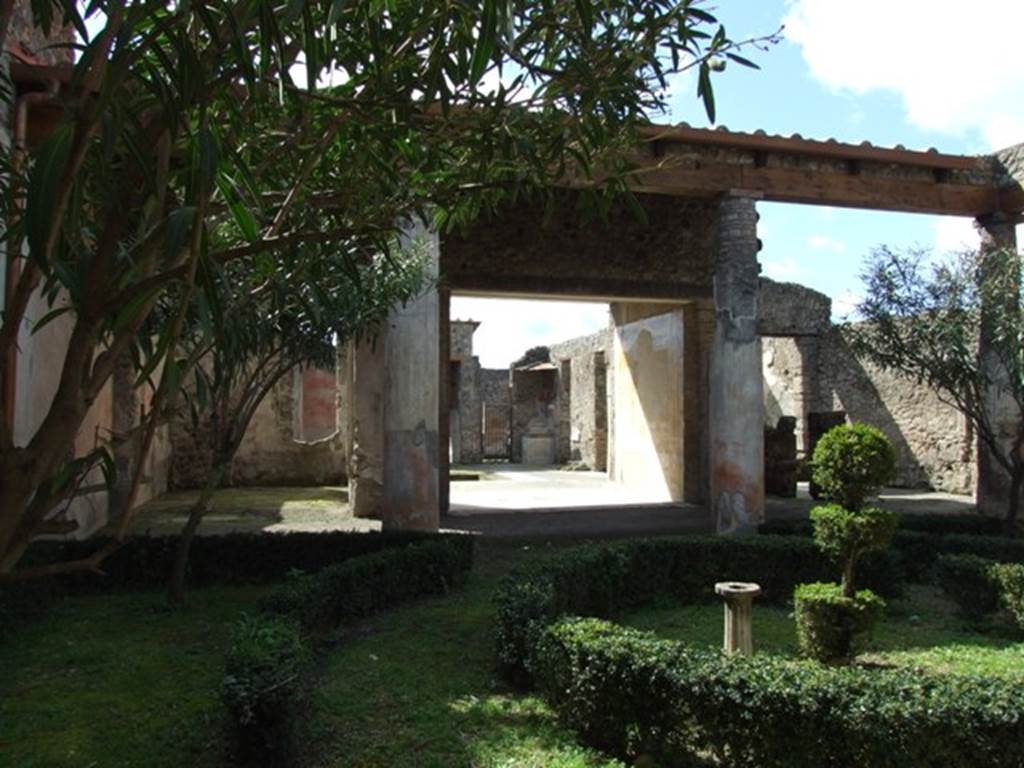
(197, 134)
(923, 318)
(255, 321)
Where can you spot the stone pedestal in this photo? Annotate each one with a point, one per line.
(739, 599)
(736, 385)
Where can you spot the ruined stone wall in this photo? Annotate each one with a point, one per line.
(815, 370)
(465, 403)
(534, 414)
(270, 453)
(525, 249)
(934, 445)
(588, 420)
(33, 42)
(470, 413)
(462, 339)
(319, 398)
(496, 405)
(783, 374)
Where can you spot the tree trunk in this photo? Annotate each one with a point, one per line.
(849, 589)
(176, 585)
(15, 498)
(1013, 507)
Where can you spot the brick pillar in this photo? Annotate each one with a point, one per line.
(736, 386)
(992, 484)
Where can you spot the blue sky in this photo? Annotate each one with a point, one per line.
(921, 73)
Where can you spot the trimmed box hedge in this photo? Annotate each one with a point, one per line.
(920, 539)
(144, 562)
(230, 558)
(602, 580)
(632, 694)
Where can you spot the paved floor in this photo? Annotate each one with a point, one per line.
(508, 501)
(516, 501)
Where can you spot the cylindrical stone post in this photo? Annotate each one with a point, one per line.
(736, 389)
(739, 599)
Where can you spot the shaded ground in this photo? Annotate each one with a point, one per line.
(506, 501)
(256, 509)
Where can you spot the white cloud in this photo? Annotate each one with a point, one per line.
(508, 327)
(784, 270)
(957, 68)
(955, 234)
(825, 243)
(844, 305)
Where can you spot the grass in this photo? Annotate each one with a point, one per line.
(920, 630)
(119, 680)
(417, 687)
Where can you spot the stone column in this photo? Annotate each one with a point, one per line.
(993, 482)
(807, 392)
(366, 426)
(736, 387)
(412, 450)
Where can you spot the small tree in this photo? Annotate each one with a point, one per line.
(190, 139)
(538, 354)
(957, 327)
(250, 327)
(850, 463)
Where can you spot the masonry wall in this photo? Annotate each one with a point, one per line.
(815, 365)
(271, 452)
(534, 415)
(934, 445)
(647, 452)
(496, 407)
(465, 404)
(530, 249)
(588, 416)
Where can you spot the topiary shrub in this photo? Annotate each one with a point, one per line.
(830, 626)
(262, 676)
(852, 462)
(1010, 580)
(968, 581)
(846, 535)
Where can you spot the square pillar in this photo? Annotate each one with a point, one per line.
(412, 403)
(365, 428)
(992, 484)
(736, 387)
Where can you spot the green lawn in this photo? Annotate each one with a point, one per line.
(417, 687)
(920, 630)
(118, 680)
(121, 681)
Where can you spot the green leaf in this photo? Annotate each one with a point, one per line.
(48, 318)
(179, 230)
(44, 181)
(239, 210)
(484, 49)
(743, 61)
